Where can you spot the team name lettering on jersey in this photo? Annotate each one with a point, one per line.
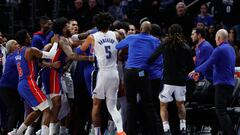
(18, 57)
(104, 40)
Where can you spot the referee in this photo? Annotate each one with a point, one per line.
(140, 47)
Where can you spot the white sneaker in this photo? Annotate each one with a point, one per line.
(14, 132)
(29, 130)
(38, 132)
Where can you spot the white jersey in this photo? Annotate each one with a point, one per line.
(104, 49)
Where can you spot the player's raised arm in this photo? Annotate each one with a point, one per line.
(89, 41)
(34, 52)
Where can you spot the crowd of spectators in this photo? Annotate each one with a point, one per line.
(204, 13)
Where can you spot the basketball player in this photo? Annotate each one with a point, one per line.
(51, 76)
(103, 43)
(8, 88)
(27, 87)
(177, 55)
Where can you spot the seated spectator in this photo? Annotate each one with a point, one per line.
(204, 16)
(232, 37)
(200, 25)
(211, 31)
(92, 9)
(116, 9)
(183, 19)
(78, 13)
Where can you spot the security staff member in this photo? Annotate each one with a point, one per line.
(140, 47)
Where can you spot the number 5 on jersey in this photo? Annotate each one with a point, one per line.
(108, 52)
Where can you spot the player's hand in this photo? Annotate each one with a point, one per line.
(192, 74)
(56, 64)
(91, 58)
(56, 38)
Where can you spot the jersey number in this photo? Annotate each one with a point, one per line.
(19, 69)
(108, 52)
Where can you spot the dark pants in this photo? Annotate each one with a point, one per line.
(14, 107)
(136, 81)
(156, 86)
(222, 95)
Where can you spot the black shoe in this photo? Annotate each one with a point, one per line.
(167, 133)
(183, 132)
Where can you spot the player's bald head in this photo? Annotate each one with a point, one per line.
(146, 26)
(221, 36)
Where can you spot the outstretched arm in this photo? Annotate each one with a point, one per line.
(34, 52)
(51, 53)
(89, 41)
(123, 43)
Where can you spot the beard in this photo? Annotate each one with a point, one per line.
(67, 34)
(195, 42)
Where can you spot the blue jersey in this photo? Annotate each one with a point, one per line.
(140, 48)
(207, 20)
(223, 62)
(155, 70)
(88, 68)
(10, 75)
(203, 52)
(27, 86)
(26, 69)
(40, 39)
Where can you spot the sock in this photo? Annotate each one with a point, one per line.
(44, 130)
(166, 126)
(62, 130)
(29, 130)
(97, 131)
(21, 129)
(183, 124)
(52, 128)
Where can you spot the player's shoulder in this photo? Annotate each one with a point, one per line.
(30, 49)
(132, 36)
(63, 40)
(207, 45)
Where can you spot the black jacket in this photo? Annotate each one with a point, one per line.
(177, 63)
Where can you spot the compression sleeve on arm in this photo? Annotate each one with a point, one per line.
(51, 53)
(75, 37)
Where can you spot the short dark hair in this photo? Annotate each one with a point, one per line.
(43, 20)
(103, 20)
(21, 36)
(156, 30)
(120, 25)
(201, 31)
(59, 24)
